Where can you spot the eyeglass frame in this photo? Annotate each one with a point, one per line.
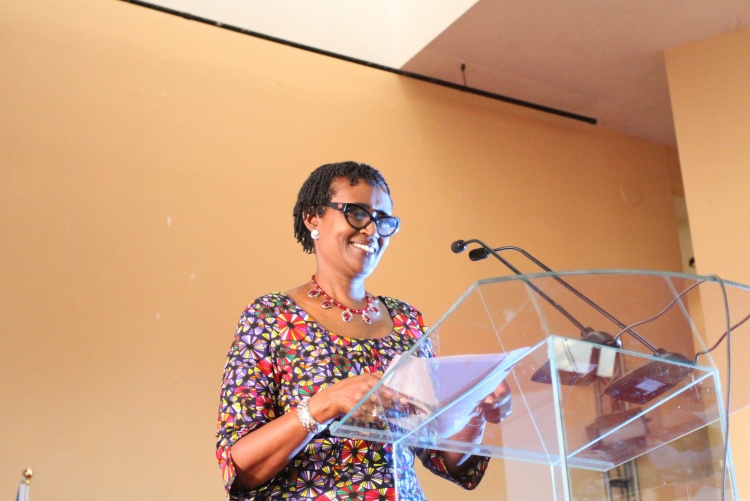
(343, 208)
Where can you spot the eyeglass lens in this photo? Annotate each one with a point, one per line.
(359, 217)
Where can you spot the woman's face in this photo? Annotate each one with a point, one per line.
(342, 248)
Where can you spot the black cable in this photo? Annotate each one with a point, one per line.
(726, 333)
(729, 385)
(662, 312)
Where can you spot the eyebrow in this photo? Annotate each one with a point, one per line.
(365, 205)
(373, 211)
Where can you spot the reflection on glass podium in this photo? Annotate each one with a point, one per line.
(589, 420)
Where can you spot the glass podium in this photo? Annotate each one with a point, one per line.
(612, 397)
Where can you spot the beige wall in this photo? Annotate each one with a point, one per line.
(148, 167)
(710, 90)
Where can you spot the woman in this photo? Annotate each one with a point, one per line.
(302, 358)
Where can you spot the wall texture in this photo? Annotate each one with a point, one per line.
(148, 169)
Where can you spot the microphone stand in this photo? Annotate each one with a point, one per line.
(485, 251)
(587, 334)
(631, 387)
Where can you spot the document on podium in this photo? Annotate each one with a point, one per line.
(452, 386)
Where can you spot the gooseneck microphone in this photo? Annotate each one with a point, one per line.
(638, 387)
(460, 245)
(485, 251)
(587, 333)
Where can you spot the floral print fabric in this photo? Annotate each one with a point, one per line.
(280, 355)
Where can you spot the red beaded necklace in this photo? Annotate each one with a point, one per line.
(348, 313)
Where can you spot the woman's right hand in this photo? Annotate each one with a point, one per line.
(263, 452)
(340, 398)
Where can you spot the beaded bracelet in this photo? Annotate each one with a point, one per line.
(309, 423)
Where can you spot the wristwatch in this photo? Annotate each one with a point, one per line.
(308, 421)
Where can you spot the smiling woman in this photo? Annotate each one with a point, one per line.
(304, 357)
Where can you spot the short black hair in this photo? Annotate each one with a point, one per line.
(316, 193)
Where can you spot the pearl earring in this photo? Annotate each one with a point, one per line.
(315, 234)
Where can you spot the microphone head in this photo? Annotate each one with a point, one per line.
(458, 246)
(479, 254)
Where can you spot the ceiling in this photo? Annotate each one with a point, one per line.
(602, 59)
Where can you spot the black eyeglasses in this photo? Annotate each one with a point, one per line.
(358, 218)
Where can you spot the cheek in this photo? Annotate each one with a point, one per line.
(384, 244)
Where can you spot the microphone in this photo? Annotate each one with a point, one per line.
(458, 246)
(485, 251)
(583, 374)
(478, 254)
(639, 386)
(587, 334)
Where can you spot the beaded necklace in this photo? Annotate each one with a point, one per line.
(348, 313)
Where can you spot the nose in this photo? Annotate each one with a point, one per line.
(371, 229)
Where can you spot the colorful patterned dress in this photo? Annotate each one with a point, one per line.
(280, 355)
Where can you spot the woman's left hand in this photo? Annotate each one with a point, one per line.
(498, 405)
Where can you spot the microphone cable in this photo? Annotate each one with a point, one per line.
(727, 334)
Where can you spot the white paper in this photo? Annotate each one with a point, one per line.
(459, 382)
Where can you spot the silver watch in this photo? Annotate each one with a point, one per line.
(308, 421)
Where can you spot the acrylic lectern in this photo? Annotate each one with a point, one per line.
(613, 396)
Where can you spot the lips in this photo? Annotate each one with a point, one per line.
(367, 248)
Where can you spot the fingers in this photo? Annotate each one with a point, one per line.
(498, 405)
(344, 395)
(385, 403)
(497, 410)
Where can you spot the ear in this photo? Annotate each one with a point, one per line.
(311, 221)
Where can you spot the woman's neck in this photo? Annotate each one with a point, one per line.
(346, 290)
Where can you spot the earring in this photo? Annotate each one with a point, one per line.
(315, 234)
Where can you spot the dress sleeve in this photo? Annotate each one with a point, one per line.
(248, 387)
(469, 479)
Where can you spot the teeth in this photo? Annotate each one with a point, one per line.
(366, 248)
